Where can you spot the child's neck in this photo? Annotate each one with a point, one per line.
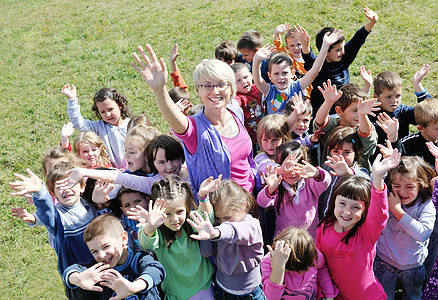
(124, 257)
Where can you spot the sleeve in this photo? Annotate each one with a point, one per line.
(407, 115)
(150, 271)
(148, 242)
(420, 229)
(74, 113)
(369, 142)
(72, 269)
(47, 212)
(353, 46)
(265, 200)
(319, 185)
(263, 161)
(309, 59)
(37, 221)
(190, 137)
(423, 95)
(377, 216)
(328, 288)
(279, 45)
(178, 80)
(246, 232)
(271, 290)
(137, 183)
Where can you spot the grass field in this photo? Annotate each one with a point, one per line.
(46, 44)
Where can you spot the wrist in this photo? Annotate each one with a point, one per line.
(201, 198)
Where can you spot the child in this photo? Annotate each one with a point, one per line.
(167, 233)
(92, 150)
(352, 108)
(402, 247)
(339, 57)
(236, 242)
(122, 271)
(249, 99)
(348, 234)
(426, 116)
(294, 266)
(139, 120)
(282, 86)
(294, 194)
(66, 221)
(249, 43)
(227, 52)
(112, 108)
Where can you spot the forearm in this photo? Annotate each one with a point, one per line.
(317, 65)
(103, 175)
(369, 25)
(365, 125)
(322, 115)
(258, 79)
(137, 286)
(174, 117)
(277, 275)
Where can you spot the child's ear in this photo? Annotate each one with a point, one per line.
(339, 110)
(375, 95)
(420, 128)
(269, 75)
(125, 238)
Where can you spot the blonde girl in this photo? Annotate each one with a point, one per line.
(188, 274)
(111, 107)
(294, 193)
(92, 150)
(348, 234)
(238, 243)
(293, 267)
(402, 247)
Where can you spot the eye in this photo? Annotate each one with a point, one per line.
(356, 207)
(222, 85)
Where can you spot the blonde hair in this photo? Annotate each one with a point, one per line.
(138, 120)
(56, 153)
(143, 135)
(426, 112)
(273, 126)
(89, 137)
(231, 196)
(214, 69)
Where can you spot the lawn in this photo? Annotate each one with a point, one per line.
(46, 44)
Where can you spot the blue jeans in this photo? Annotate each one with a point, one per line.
(256, 294)
(411, 279)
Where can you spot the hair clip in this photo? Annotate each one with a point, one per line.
(353, 141)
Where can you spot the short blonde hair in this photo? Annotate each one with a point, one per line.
(426, 112)
(215, 69)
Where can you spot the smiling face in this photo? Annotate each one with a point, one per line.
(176, 214)
(131, 200)
(135, 156)
(349, 116)
(110, 112)
(90, 153)
(406, 188)
(243, 80)
(69, 197)
(347, 212)
(346, 150)
(109, 249)
(294, 46)
(336, 53)
(390, 99)
(166, 167)
(281, 75)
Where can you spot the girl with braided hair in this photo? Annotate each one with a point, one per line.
(111, 107)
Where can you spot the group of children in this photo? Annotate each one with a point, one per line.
(126, 222)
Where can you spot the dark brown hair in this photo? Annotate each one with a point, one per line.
(251, 40)
(350, 93)
(320, 38)
(227, 52)
(345, 134)
(172, 148)
(108, 93)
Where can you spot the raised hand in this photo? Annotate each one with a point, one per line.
(271, 178)
(339, 166)
(434, 150)
(389, 125)
(138, 214)
(368, 107)
(280, 255)
(367, 77)
(21, 213)
(174, 53)
(264, 52)
(73, 177)
(330, 93)
(371, 15)
(152, 70)
(381, 166)
(205, 229)
(101, 191)
(418, 77)
(331, 38)
(386, 151)
(302, 35)
(69, 90)
(288, 165)
(88, 278)
(209, 185)
(298, 105)
(316, 136)
(66, 132)
(183, 104)
(156, 216)
(306, 170)
(26, 185)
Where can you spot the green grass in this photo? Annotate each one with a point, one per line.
(45, 44)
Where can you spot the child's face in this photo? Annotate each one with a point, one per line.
(90, 153)
(346, 150)
(134, 157)
(229, 215)
(294, 46)
(390, 99)
(347, 212)
(109, 249)
(269, 144)
(349, 116)
(69, 197)
(302, 124)
(243, 81)
(335, 54)
(291, 178)
(281, 75)
(406, 188)
(166, 167)
(176, 214)
(430, 132)
(131, 200)
(247, 54)
(110, 112)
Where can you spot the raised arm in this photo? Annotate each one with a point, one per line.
(373, 18)
(261, 54)
(367, 78)
(418, 77)
(365, 108)
(380, 167)
(154, 72)
(331, 95)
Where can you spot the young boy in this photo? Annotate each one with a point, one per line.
(282, 86)
(249, 99)
(122, 271)
(352, 108)
(426, 115)
(227, 52)
(249, 43)
(66, 220)
(338, 59)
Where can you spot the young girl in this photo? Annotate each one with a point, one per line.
(293, 267)
(348, 234)
(237, 245)
(344, 147)
(402, 247)
(188, 274)
(112, 108)
(294, 194)
(92, 150)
